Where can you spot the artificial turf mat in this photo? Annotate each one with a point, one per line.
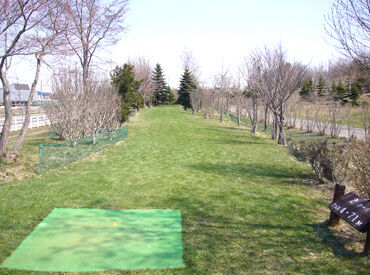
(102, 239)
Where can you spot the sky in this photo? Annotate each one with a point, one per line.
(218, 33)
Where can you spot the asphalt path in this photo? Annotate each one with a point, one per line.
(343, 131)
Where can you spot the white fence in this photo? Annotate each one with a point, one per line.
(36, 120)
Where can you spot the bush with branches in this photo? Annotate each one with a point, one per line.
(78, 111)
(342, 161)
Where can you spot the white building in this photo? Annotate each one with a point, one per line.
(19, 94)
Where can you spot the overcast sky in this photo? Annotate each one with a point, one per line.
(216, 32)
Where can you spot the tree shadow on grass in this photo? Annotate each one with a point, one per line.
(250, 170)
(339, 240)
(210, 235)
(240, 142)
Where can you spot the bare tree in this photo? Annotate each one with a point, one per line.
(365, 118)
(251, 73)
(321, 119)
(45, 40)
(223, 87)
(17, 20)
(276, 80)
(349, 25)
(190, 62)
(337, 116)
(238, 98)
(251, 105)
(143, 73)
(92, 24)
(196, 100)
(79, 112)
(208, 103)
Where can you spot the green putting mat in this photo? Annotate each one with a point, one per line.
(102, 239)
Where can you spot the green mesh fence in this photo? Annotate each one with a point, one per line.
(53, 155)
(243, 121)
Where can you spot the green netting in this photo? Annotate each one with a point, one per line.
(102, 239)
(53, 155)
(243, 121)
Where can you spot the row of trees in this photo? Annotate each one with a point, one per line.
(140, 86)
(266, 79)
(338, 91)
(269, 80)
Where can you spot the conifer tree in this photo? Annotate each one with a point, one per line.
(170, 96)
(354, 93)
(187, 84)
(160, 86)
(321, 87)
(124, 79)
(339, 92)
(308, 90)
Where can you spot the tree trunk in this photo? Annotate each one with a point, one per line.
(227, 107)
(238, 111)
(8, 113)
(275, 128)
(254, 126)
(282, 137)
(221, 111)
(254, 115)
(18, 144)
(266, 118)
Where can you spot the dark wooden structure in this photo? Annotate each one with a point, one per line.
(352, 209)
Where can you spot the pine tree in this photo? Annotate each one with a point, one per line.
(187, 84)
(160, 86)
(339, 92)
(308, 90)
(124, 79)
(321, 87)
(170, 96)
(354, 93)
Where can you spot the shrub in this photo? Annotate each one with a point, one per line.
(80, 111)
(345, 162)
(358, 170)
(325, 157)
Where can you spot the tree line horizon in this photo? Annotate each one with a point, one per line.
(77, 30)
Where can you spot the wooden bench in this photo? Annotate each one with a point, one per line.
(352, 209)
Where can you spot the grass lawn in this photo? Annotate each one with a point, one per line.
(26, 163)
(244, 202)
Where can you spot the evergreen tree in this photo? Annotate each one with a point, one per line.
(170, 96)
(354, 93)
(321, 87)
(308, 90)
(339, 92)
(124, 79)
(160, 86)
(187, 84)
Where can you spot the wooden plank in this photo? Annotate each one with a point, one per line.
(354, 210)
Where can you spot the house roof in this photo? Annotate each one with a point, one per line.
(21, 86)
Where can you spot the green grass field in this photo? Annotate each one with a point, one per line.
(245, 202)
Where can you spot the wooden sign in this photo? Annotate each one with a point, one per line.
(353, 209)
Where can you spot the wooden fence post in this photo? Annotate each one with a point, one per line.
(338, 191)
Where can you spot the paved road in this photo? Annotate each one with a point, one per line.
(344, 131)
